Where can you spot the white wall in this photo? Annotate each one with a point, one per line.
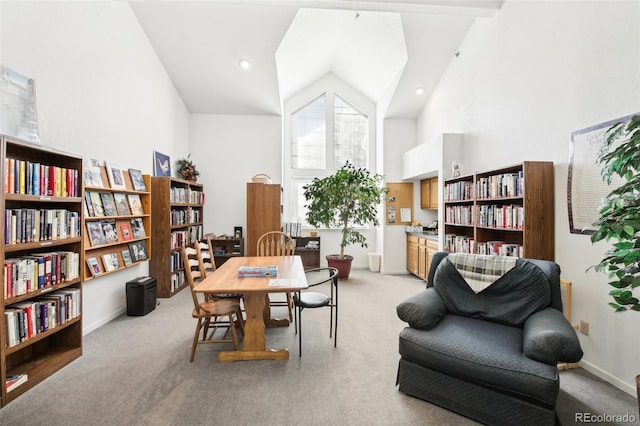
(101, 93)
(524, 80)
(230, 150)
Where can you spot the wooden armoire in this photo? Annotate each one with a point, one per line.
(264, 211)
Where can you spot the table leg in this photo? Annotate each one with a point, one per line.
(253, 341)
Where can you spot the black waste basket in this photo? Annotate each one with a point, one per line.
(141, 296)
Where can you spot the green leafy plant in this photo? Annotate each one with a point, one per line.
(620, 213)
(187, 169)
(346, 199)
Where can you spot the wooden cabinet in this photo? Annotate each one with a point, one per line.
(420, 250)
(264, 211)
(308, 248)
(123, 213)
(507, 211)
(177, 207)
(225, 248)
(43, 187)
(429, 193)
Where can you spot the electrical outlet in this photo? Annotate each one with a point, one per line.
(584, 328)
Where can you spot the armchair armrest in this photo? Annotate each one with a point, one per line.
(423, 310)
(548, 337)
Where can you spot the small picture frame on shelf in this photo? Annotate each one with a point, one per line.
(94, 266)
(138, 251)
(122, 205)
(161, 164)
(137, 228)
(110, 231)
(96, 234)
(108, 204)
(137, 181)
(116, 177)
(125, 231)
(107, 261)
(89, 204)
(135, 204)
(96, 201)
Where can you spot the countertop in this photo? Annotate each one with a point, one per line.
(423, 234)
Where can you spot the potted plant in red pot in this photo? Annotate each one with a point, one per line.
(344, 200)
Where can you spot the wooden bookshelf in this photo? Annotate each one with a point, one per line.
(518, 218)
(130, 227)
(226, 248)
(264, 212)
(177, 207)
(309, 254)
(50, 180)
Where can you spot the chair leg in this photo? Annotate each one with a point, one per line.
(290, 306)
(195, 339)
(234, 336)
(299, 331)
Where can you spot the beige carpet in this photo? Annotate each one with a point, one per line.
(136, 371)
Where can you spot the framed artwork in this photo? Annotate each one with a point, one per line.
(161, 164)
(94, 266)
(137, 181)
(138, 251)
(116, 177)
(585, 187)
(92, 173)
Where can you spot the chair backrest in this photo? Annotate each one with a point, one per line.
(205, 255)
(275, 243)
(192, 270)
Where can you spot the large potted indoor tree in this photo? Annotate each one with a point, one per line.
(619, 216)
(346, 200)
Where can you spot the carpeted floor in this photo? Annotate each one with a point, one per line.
(136, 371)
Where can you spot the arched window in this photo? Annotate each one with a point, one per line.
(324, 126)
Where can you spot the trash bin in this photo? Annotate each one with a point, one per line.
(374, 262)
(141, 296)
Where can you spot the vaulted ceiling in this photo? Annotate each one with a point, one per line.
(384, 49)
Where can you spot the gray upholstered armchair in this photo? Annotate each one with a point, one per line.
(485, 337)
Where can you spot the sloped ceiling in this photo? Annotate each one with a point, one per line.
(384, 49)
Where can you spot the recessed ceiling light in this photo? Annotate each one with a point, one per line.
(419, 91)
(244, 64)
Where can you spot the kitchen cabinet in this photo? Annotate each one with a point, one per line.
(429, 193)
(420, 250)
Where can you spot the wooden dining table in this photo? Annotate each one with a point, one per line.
(225, 280)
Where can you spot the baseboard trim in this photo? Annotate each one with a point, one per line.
(629, 388)
(97, 324)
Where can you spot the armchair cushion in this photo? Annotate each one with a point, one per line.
(510, 300)
(423, 310)
(548, 337)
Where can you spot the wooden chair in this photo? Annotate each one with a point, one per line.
(212, 315)
(316, 299)
(208, 265)
(276, 243)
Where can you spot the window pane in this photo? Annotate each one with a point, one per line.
(308, 129)
(351, 135)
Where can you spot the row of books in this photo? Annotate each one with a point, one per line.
(510, 216)
(500, 186)
(35, 225)
(175, 261)
(179, 238)
(108, 262)
(465, 244)
(32, 178)
(458, 191)
(495, 216)
(115, 175)
(196, 233)
(177, 280)
(186, 196)
(100, 204)
(105, 231)
(27, 319)
(184, 217)
(38, 271)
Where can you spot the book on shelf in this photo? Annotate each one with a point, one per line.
(107, 261)
(15, 380)
(94, 266)
(137, 180)
(88, 204)
(125, 231)
(138, 251)
(96, 201)
(126, 257)
(135, 204)
(116, 177)
(110, 231)
(108, 204)
(137, 228)
(122, 205)
(92, 173)
(258, 271)
(96, 234)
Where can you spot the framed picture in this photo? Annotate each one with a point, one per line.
(96, 234)
(161, 164)
(126, 232)
(109, 230)
(126, 257)
(138, 251)
(122, 205)
(92, 173)
(137, 181)
(108, 204)
(137, 228)
(116, 177)
(135, 204)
